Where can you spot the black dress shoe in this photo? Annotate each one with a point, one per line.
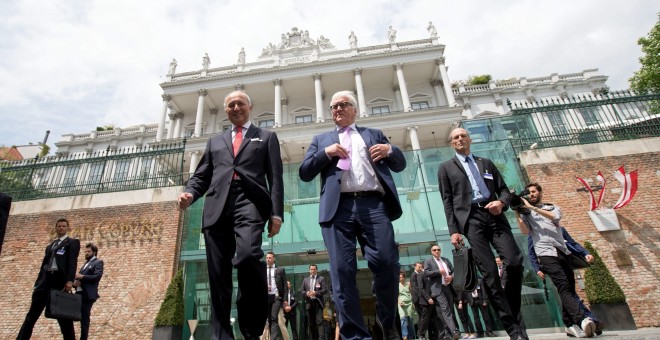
(490, 334)
(389, 333)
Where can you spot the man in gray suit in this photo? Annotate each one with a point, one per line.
(240, 173)
(440, 272)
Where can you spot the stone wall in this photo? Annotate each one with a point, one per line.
(137, 234)
(639, 238)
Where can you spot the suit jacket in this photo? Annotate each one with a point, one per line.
(432, 272)
(259, 165)
(423, 287)
(482, 296)
(316, 161)
(456, 190)
(90, 282)
(280, 280)
(504, 276)
(571, 244)
(414, 287)
(66, 257)
(294, 301)
(320, 287)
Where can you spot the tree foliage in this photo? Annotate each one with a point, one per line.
(171, 310)
(647, 79)
(599, 284)
(479, 80)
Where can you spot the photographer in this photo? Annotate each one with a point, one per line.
(541, 221)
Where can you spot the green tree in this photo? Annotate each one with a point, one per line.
(479, 80)
(599, 284)
(647, 79)
(171, 310)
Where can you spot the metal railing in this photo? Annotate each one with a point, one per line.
(111, 170)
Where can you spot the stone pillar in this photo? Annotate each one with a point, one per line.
(439, 98)
(200, 113)
(161, 123)
(318, 94)
(214, 120)
(397, 97)
(194, 160)
(170, 127)
(360, 92)
(278, 102)
(451, 101)
(177, 126)
(421, 171)
(402, 86)
(285, 111)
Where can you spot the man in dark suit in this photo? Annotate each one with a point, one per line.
(440, 272)
(276, 279)
(478, 301)
(87, 284)
(421, 292)
(501, 271)
(358, 201)
(57, 271)
(290, 304)
(313, 291)
(241, 174)
(474, 198)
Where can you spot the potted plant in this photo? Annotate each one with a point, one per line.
(169, 321)
(606, 298)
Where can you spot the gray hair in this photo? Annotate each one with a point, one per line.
(348, 94)
(234, 93)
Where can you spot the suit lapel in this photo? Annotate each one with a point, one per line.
(366, 136)
(227, 138)
(458, 164)
(480, 164)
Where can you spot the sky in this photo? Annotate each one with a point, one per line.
(69, 66)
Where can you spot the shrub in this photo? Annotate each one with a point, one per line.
(600, 285)
(171, 310)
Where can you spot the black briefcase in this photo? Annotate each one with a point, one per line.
(577, 261)
(63, 305)
(465, 270)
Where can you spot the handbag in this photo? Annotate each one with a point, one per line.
(577, 261)
(465, 270)
(64, 305)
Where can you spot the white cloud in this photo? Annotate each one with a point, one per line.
(69, 66)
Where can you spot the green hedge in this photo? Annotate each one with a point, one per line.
(600, 285)
(171, 310)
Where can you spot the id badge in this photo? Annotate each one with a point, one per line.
(488, 176)
(60, 251)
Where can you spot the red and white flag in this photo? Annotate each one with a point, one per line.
(592, 201)
(628, 184)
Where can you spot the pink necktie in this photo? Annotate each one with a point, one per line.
(345, 163)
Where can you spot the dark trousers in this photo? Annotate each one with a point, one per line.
(85, 313)
(274, 305)
(561, 274)
(365, 220)
(484, 230)
(465, 319)
(484, 314)
(290, 318)
(235, 241)
(315, 320)
(40, 298)
(424, 313)
(444, 309)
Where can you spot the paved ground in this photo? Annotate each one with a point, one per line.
(640, 334)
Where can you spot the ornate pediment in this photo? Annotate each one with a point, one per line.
(296, 40)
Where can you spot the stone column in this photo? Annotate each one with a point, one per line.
(318, 94)
(421, 171)
(170, 127)
(397, 97)
(451, 101)
(177, 126)
(214, 120)
(439, 98)
(360, 92)
(285, 111)
(200, 113)
(194, 160)
(278, 102)
(161, 123)
(402, 86)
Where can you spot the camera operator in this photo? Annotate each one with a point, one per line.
(541, 220)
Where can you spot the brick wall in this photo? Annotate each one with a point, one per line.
(639, 236)
(137, 242)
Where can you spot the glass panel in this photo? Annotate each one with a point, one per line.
(378, 110)
(419, 105)
(266, 123)
(304, 119)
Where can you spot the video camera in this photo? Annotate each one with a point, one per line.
(517, 203)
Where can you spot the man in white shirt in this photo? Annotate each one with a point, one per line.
(440, 272)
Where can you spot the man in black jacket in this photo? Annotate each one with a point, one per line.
(290, 304)
(421, 294)
(87, 285)
(57, 271)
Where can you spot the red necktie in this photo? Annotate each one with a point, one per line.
(238, 139)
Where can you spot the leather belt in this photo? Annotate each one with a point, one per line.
(480, 205)
(361, 194)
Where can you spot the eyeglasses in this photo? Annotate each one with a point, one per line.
(342, 105)
(435, 249)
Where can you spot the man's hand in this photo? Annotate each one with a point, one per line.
(431, 301)
(589, 258)
(449, 278)
(287, 309)
(456, 239)
(495, 207)
(68, 287)
(274, 226)
(336, 150)
(460, 305)
(379, 151)
(540, 274)
(76, 283)
(184, 200)
(79, 276)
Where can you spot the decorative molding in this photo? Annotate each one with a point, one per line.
(357, 71)
(467, 106)
(202, 92)
(277, 82)
(239, 86)
(398, 66)
(214, 110)
(440, 61)
(166, 97)
(396, 88)
(316, 76)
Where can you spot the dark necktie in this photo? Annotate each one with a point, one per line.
(483, 189)
(269, 278)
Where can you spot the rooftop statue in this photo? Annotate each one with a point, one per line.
(352, 40)
(172, 68)
(324, 43)
(241, 56)
(206, 61)
(391, 34)
(432, 31)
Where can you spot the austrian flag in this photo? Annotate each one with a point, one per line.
(628, 184)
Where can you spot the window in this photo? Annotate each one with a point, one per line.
(121, 169)
(95, 172)
(303, 119)
(557, 123)
(266, 123)
(379, 110)
(70, 175)
(590, 115)
(146, 167)
(419, 105)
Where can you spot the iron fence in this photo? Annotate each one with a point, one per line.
(111, 170)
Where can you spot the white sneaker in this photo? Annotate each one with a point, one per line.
(574, 331)
(588, 327)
